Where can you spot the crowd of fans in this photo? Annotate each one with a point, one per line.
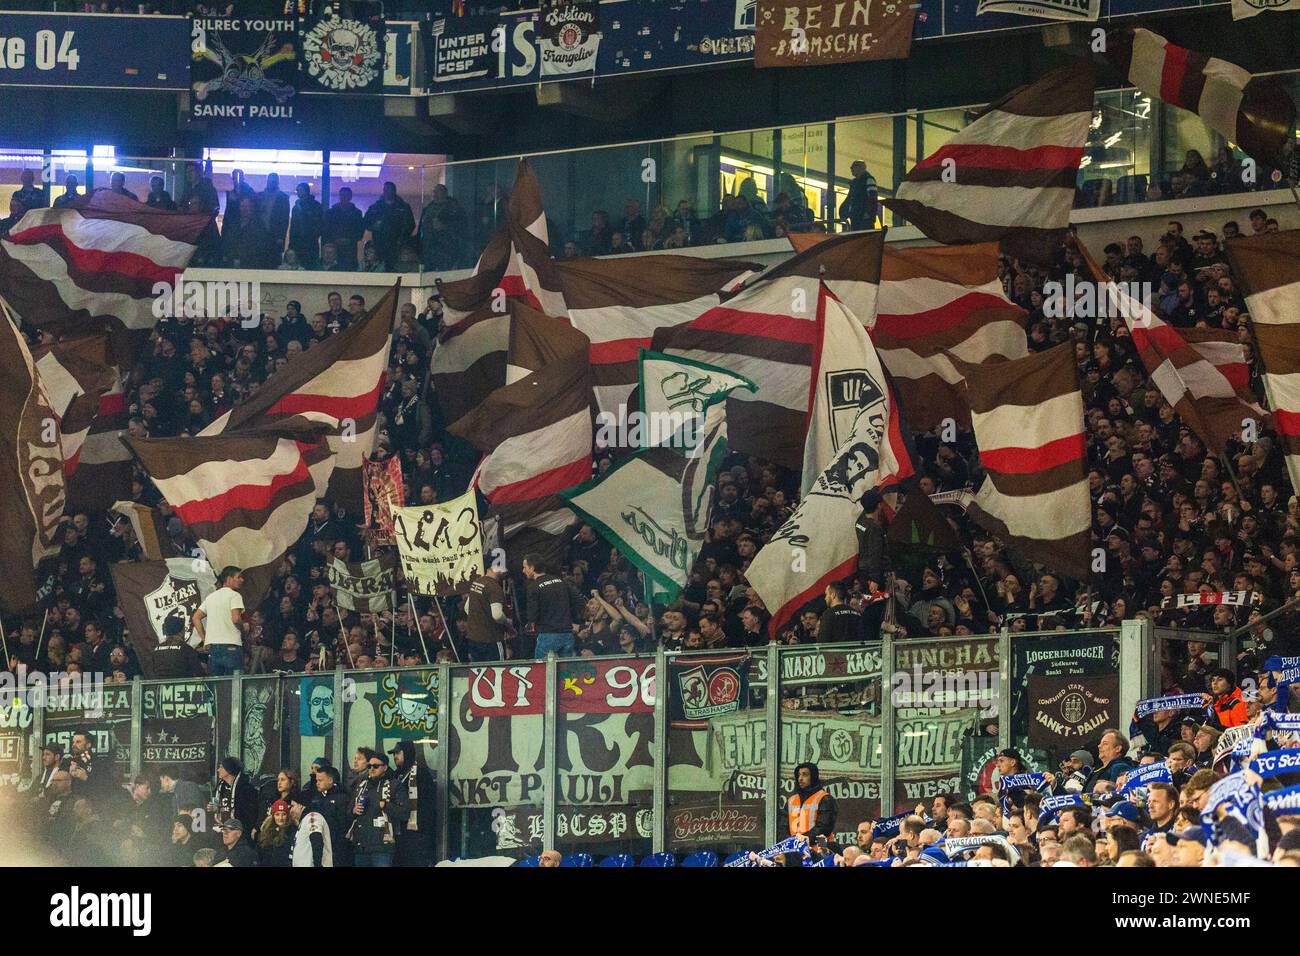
(1173, 516)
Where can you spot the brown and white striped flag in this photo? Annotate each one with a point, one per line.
(93, 263)
(1269, 269)
(536, 433)
(1027, 415)
(1009, 176)
(767, 331)
(31, 471)
(245, 497)
(1202, 373)
(338, 383)
(76, 383)
(146, 525)
(938, 303)
(1256, 113)
(517, 262)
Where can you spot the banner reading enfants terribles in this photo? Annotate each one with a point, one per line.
(441, 545)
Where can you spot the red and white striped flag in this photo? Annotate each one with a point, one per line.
(536, 433)
(336, 382)
(1027, 416)
(619, 303)
(93, 263)
(517, 260)
(245, 497)
(1269, 269)
(938, 303)
(1255, 113)
(1202, 373)
(1009, 176)
(76, 384)
(766, 332)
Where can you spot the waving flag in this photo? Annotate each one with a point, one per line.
(1269, 269)
(1202, 373)
(517, 260)
(819, 543)
(244, 497)
(93, 262)
(76, 384)
(31, 471)
(1028, 421)
(536, 432)
(938, 303)
(767, 332)
(337, 383)
(1009, 176)
(1256, 113)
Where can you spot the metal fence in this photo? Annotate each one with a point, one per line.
(591, 754)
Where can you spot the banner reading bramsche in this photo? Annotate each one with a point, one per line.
(441, 545)
(817, 32)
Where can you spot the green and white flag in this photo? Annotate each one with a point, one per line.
(675, 394)
(654, 506)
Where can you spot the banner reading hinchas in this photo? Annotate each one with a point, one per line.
(819, 32)
(568, 36)
(364, 586)
(243, 68)
(441, 545)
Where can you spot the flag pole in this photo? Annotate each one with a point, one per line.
(446, 628)
(418, 630)
(978, 583)
(5, 641)
(41, 640)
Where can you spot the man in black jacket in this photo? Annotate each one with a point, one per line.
(840, 624)
(415, 841)
(306, 223)
(548, 609)
(239, 848)
(331, 802)
(378, 813)
(236, 795)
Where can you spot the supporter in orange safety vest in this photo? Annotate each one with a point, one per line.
(1229, 708)
(811, 808)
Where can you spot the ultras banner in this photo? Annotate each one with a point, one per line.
(441, 545)
(243, 69)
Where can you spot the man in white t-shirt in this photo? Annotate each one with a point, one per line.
(217, 623)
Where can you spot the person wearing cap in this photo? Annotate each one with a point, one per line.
(172, 658)
(1075, 771)
(239, 849)
(1225, 699)
(1189, 847)
(275, 837)
(378, 813)
(415, 841)
(236, 797)
(1160, 730)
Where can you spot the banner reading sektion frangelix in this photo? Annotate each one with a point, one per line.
(441, 545)
(568, 36)
(344, 55)
(819, 32)
(243, 68)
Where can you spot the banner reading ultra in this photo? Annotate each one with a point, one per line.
(365, 586)
(441, 545)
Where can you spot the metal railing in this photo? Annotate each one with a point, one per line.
(593, 754)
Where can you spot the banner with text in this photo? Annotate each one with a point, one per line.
(441, 545)
(243, 69)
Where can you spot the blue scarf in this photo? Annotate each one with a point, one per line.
(1177, 702)
(1276, 762)
(1151, 773)
(889, 826)
(1240, 798)
(1051, 807)
(788, 845)
(1022, 781)
(1288, 798)
(1276, 720)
